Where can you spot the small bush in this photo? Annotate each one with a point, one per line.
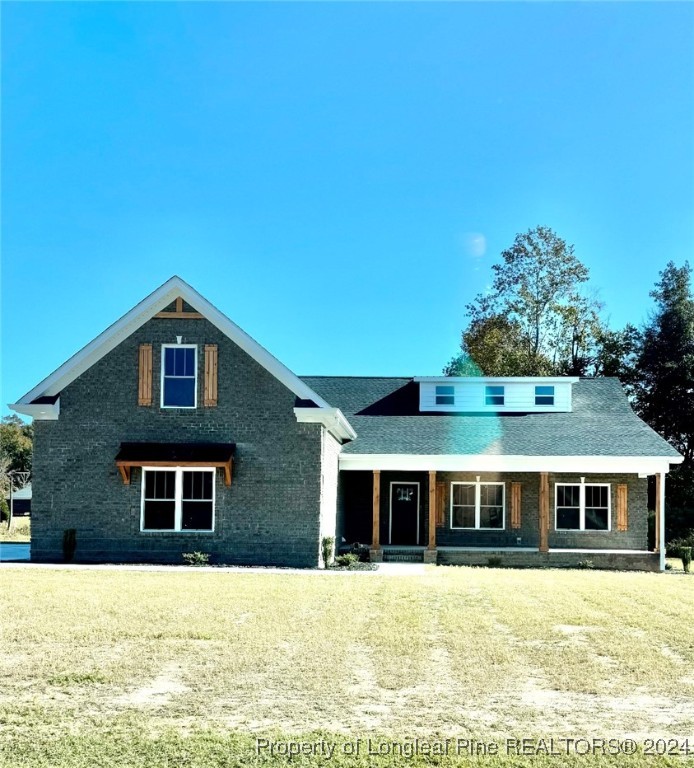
(196, 558)
(585, 565)
(69, 544)
(347, 560)
(327, 549)
(686, 555)
(495, 561)
(668, 566)
(4, 510)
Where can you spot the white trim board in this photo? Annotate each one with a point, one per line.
(138, 316)
(649, 465)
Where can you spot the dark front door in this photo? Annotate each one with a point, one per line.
(404, 513)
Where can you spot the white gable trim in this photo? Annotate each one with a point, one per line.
(138, 316)
(331, 418)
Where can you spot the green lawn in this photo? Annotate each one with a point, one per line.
(189, 668)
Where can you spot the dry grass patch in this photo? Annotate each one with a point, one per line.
(480, 653)
(20, 533)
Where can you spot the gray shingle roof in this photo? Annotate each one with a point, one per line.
(383, 411)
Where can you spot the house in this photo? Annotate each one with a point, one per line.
(175, 431)
(20, 501)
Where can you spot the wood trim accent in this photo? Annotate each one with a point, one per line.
(432, 510)
(210, 388)
(144, 395)
(125, 466)
(179, 304)
(179, 315)
(658, 512)
(376, 529)
(441, 503)
(621, 505)
(544, 512)
(516, 505)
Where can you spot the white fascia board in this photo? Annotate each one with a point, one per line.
(649, 465)
(139, 315)
(331, 418)
(39, 411)
(498, 379)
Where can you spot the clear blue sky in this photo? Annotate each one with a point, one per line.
(322, 172)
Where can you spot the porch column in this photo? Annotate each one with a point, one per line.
(430, 555)
(376, 552)
(660, 517)
(544, 512)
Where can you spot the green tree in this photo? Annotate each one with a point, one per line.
(664, 391)
(617, 354)
(16, 443)
(537, 298)
(493, 345)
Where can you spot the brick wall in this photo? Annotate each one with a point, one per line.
(357, 489)
(269, 515)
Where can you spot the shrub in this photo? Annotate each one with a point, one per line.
(4, 510)
(196, 558)
(585, 565)
(495, 561)
(686, 555)
(347, 560)
(69, 544)
(327, 548)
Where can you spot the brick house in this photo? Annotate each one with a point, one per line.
(175, 431)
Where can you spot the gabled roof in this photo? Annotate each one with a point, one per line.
(52, 385)
(385, 414)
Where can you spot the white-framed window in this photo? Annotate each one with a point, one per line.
(445, 394)
(494, 395)
(582, 507)
(179, 375)
(544, 395)
(177, 499)
(478, 505)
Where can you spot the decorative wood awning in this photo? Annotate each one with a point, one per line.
(175, 455)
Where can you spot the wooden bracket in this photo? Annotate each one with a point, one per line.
(124, 473)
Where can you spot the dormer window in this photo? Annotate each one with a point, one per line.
(493, 395)
(445, 394)
(544, 395)
(179, 380)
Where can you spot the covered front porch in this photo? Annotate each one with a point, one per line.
(503, 518)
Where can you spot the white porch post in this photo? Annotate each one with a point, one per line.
(661, 518)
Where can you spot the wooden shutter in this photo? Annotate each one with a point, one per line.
(622, 519)
(210, 395)
(441, 504)
(144, 396)
(515, 505)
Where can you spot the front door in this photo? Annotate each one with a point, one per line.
(404, 513)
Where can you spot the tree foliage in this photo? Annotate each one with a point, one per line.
(537, 318)
(16, 444)
(664, 387)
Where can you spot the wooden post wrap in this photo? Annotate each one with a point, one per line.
(432, 510)
(376, 532)
(544, 512)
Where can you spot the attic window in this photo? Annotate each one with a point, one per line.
(179, 379)
(544, 395)
(494, 395)
(445, 394)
